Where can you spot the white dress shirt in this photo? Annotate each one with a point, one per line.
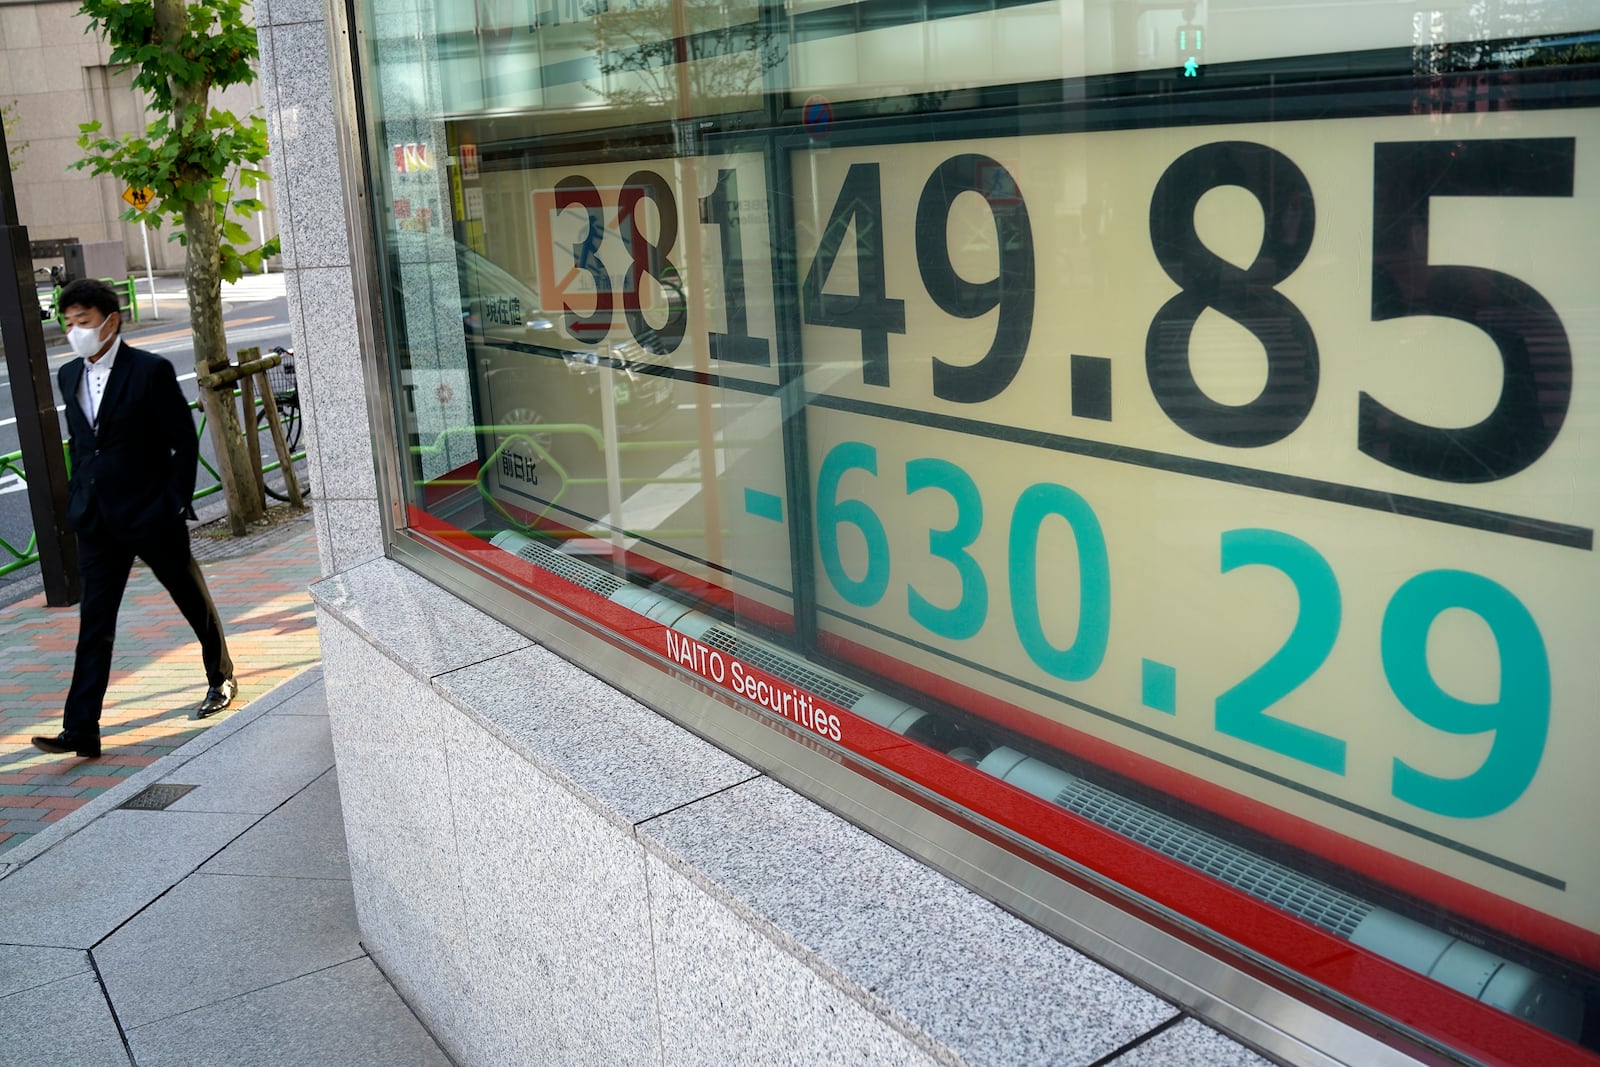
(94, 381)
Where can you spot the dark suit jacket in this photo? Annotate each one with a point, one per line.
(136, 470)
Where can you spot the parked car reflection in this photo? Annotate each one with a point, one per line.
(533, 372)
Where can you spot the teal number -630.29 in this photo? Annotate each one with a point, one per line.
(1519, 716)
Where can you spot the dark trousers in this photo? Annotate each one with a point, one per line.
(104, 563)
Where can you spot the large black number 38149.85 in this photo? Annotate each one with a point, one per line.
(1535, 355)
(876, 315)
(1527, 331)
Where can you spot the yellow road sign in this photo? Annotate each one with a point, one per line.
(139, 198)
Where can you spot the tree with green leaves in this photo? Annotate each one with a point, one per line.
(202, 165)
(9, 118)
(700, 54)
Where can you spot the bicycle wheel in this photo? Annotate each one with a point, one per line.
(288, 414)
(289, 417)
(281, 490)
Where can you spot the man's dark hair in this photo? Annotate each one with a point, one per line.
(89, 293)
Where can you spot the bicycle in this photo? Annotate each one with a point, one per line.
(286, 399)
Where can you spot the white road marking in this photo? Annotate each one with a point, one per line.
(183, 343)
(13, 422)
(235, 337)
(60, 408)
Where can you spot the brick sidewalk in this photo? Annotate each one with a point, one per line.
(156, 677)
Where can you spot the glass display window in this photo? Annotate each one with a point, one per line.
(1164, 433)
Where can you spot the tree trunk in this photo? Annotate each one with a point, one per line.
(203, 280)
(202, 275)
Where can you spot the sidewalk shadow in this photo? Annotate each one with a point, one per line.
(183, 711)
(276, 619)
(108, 739)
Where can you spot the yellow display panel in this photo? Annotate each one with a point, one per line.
(1263, 451)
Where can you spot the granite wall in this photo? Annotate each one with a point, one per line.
(298, 84)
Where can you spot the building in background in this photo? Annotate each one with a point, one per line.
(56, 75)
(1006, 533)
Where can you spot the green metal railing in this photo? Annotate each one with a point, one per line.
(13, 558)
(126, 291)
(528, 436)
(216, 479)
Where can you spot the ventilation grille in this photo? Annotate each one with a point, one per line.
(572, 569)
(781, 666)
(1276, 884)
(1321, 904)
(156, 797)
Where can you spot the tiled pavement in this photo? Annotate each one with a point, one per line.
(260, 592)
(220, 931)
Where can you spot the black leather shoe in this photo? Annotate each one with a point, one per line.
(82, 744)
(217, 698)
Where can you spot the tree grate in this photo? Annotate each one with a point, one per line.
(156, 797)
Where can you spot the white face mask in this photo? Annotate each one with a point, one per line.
(85, 340)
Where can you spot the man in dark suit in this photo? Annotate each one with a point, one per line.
(133, 451)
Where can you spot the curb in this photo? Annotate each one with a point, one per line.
(14, 860)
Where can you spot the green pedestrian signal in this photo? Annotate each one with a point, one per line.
(1191, 41)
